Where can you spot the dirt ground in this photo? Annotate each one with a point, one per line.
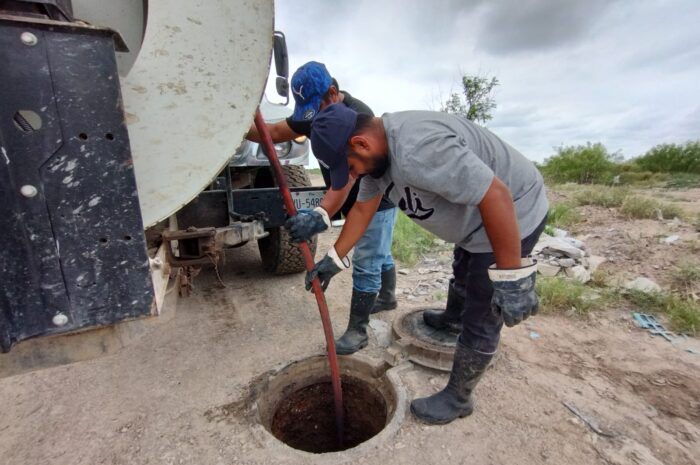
(149, 402)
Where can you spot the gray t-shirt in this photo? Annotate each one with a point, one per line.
(441, 166)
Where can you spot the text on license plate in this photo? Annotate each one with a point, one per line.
(310, 200)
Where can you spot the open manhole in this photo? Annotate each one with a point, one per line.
(296, 404)
(423, 344)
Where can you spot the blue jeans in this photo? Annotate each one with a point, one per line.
(372, 254)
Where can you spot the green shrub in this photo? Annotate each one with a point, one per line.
(638, 207)
(681, 180)
(410, 240)
(559, 295)
(683, 313)
(608, 197)
(672, 158)
(563, 215)
(583, 164)
(686, 276)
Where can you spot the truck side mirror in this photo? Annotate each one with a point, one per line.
(281, 64)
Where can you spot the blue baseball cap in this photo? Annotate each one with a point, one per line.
(309, 83)
(330, 133)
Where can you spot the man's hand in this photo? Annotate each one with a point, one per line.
(514, 296)
(329, 266)
(307, 223)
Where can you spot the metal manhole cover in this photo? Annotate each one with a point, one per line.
(423, 344)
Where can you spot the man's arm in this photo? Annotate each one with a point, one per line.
(280, 132)
(501, 223)
(356, 224)
(333, 199)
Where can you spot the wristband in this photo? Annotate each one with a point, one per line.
(527, 266)
(324, 214)
(341, 263)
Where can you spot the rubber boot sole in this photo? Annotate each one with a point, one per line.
(340, 351)
(437, 421)
(382, 307)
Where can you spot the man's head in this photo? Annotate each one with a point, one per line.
(313, 89)
(349, 143)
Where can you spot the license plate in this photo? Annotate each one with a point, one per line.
(307, 199)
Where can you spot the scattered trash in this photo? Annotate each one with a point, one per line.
(590, 422)
(670, 239)
(650, 323)
(563, 252)
(578, 273)
(643, 284)
(534, 335)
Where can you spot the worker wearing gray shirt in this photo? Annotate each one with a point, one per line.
(464, 184)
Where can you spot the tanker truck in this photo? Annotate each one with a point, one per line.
(122, 167)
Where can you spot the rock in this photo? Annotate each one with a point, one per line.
(382, 331)
(559, 232)
(594, 261)
(575, 242)
(567, 262)
(578, 273)
(557, 246)
(643, 284)
(404, 272)
(670, 239)
(547, 270)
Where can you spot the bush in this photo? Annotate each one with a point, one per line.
(559, 295)
(644, 208)
(563, 215)
(672, 158)
(583, 164)
(410, 240)
(683, 313)
(608, 197)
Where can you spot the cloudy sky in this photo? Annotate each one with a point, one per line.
(624, 72)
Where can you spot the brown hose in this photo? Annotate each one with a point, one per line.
(269, 149)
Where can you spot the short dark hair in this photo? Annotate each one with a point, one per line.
(327, 95)
(364, 121)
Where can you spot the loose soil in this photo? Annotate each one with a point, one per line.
(305, 420)
(180, 395)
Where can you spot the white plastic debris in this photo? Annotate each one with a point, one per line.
(643, 284)
(670, 239)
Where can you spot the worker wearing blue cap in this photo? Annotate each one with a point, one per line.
(467, 186)
(374, 273)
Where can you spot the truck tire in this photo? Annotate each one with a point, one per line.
(278, 253)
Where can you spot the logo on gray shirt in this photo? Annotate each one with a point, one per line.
(411, 205)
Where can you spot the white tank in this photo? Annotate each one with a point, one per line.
(190, 88)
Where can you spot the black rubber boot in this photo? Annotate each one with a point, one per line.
(451, 317)
(455, 401)
(386, 300)
(355, 337)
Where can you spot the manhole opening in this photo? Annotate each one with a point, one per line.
(305, 419)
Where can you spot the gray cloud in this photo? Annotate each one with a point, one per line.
(524, 25)
(595, 71)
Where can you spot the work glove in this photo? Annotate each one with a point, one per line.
(330, 265)
(514, 296)
(307, 223)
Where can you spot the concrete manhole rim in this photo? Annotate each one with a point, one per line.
(389, 376)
